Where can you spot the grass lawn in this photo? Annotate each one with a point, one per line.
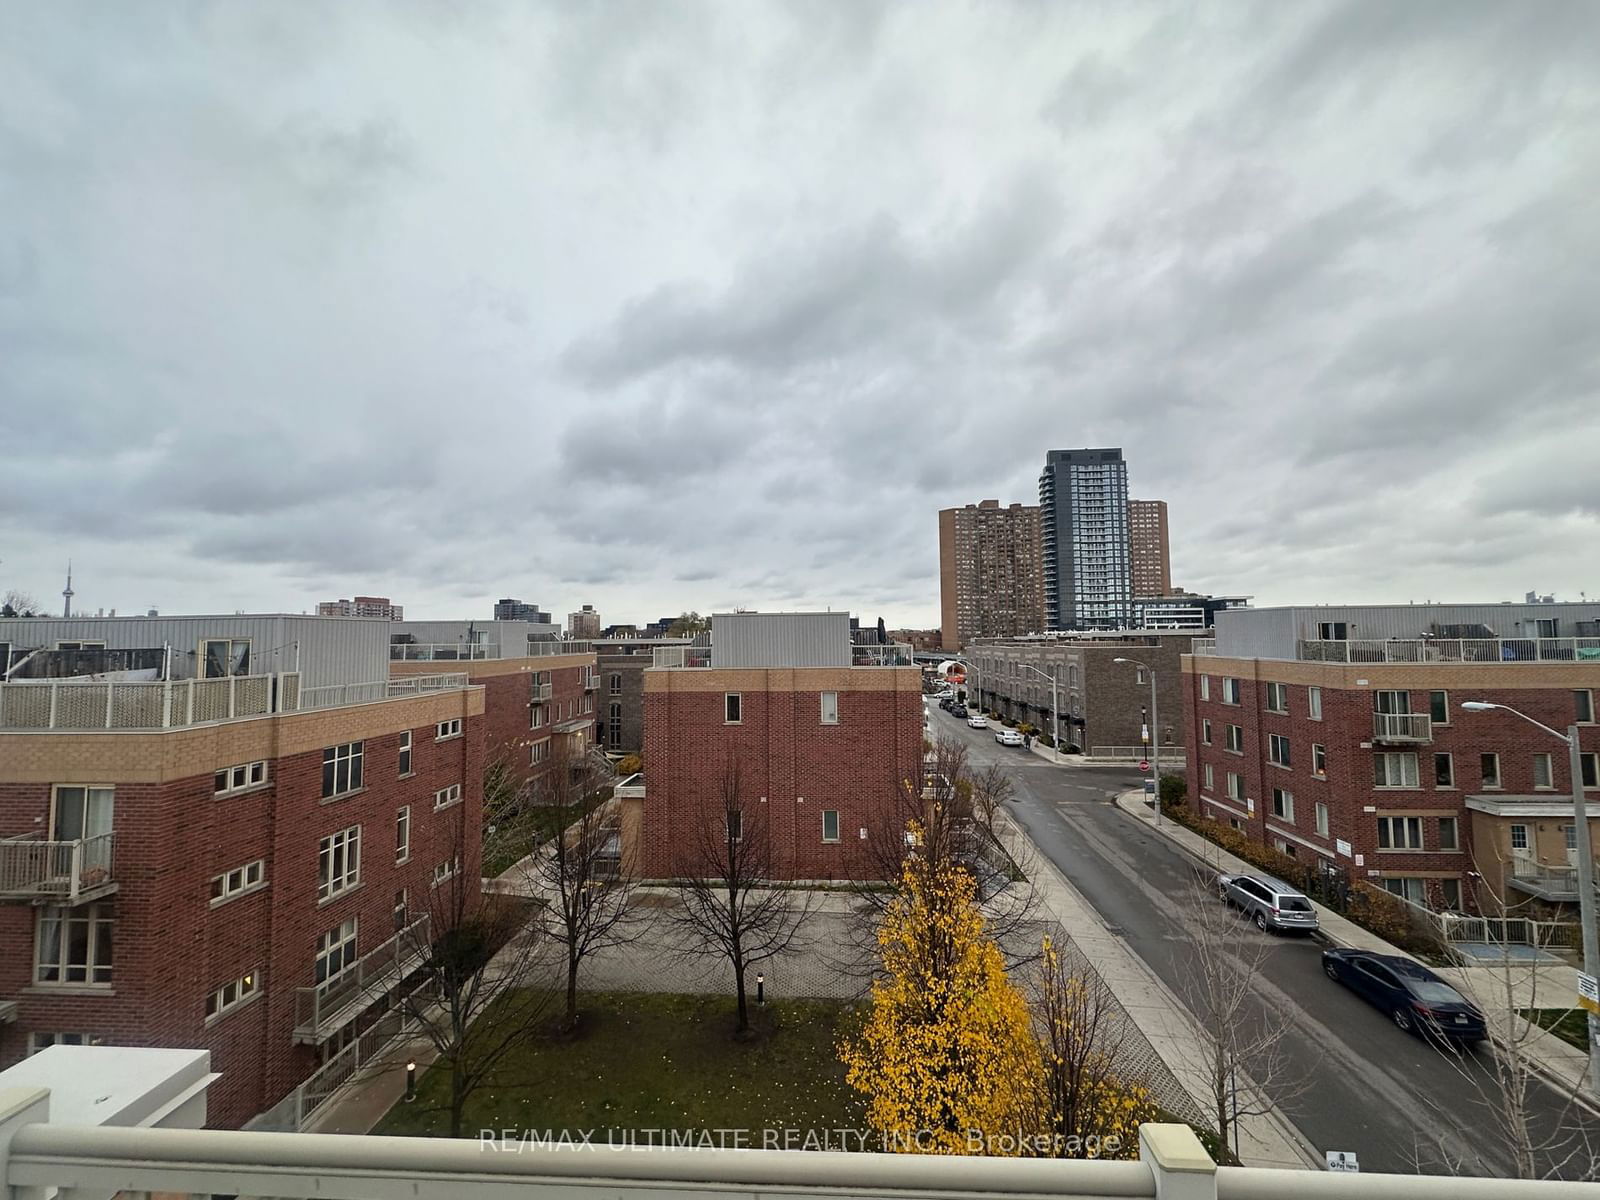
(647, 1061)
(1568, 1024)
(516, 836)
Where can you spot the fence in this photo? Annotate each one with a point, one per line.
(1549, 935)
(36, 869)
(291, 1114)
(334, 695)
(1584, 649)
(142, 704)
(1170, 755)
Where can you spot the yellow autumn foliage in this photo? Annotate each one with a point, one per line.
(948, 1050)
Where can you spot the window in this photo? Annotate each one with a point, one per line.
(1541, 771)
(1569, 836)
(1411, 889)
(1333, 631)
(446, 870)
(1235, 786)
(615, 733)
(241, 879)
(731, 703)
(447, 796)
(1210, 778)
(74, 945)
(41, 1041)
(81, 812)
(1230, 691)
(830, 708)
(1439, 708)
(735, 821)
(1450, 893)
(405, 753)
(222, 657)
(336, 951)
(1489, 764)
(1589, 769)
(615, 683)
(1205, 687)
(1314, 702)
(1449, 834)
(1205, 731)
(1282, 804)
(1547, 626)
(830, 825)
(1322, 818)
(1278, 697)
(401, 910)
(1519, 837)
(1138, 675)
(1400, 833)
(232, 994)
(1278, 750)
(539, 752)
(1583, 707)
(1397, 770)
(237, 779)
(402, 834)
(1236, 738)
(1444, 771)
(339, 862)
(1319, 760)
(447, 729)
(536, 717)
(341, 769)
(1391, 702)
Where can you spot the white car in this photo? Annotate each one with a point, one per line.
(978, 721)
(1008, 737)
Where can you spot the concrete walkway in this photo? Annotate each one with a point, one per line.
(1499, 989)
(1269, 1141)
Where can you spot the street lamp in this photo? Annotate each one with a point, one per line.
(1055, 704)
(1580, 818)
(1155, 730)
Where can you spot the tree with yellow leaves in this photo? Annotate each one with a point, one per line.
(947, 1057)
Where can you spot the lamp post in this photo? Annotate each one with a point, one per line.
(1155, 730)
(761, 988)
(1055, 704)
(411, 1082)
(1585, 865)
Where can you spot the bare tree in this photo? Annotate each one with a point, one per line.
(466, 953)
(580, 874)
(17, 603)
(730, 901)
(1242, 1046)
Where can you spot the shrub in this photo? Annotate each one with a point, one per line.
(1382, 913)
(631, 764)
(1173, 789)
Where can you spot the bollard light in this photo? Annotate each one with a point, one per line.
(761, 988)
(411, 1082)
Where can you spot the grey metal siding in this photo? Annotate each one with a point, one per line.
(1273, 632)
(780, 639)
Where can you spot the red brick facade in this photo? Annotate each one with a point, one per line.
(792, 766)
(172, 945)
(1353, 800)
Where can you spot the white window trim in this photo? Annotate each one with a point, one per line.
(447, 796)
(231, 891)
(325, 947)
(1313, 703)
(446, 871)
(1499, 784)
(247, 988)
(349, 838)
(402, 848)
(1274, 741)
(822, 708)
(406, 755)
(837, 827)
(1322, 819)
(67, 912)
(443, 731)
(738, 696)
(1288, 805)
(1398, 787)
(249, 784)
(354, 752)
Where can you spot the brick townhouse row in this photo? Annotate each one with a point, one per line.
(1372, 768)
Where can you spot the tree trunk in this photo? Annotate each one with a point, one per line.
(572, 991)
(458, 1096)
(743, 1025)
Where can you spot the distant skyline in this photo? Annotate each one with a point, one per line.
(662, 306)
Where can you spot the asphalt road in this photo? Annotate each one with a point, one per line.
(1399, 1103)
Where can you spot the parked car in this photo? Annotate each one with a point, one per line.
(1270, 903)
(1416, 999)
(1008, 737)
(978, 721)
(959, 711)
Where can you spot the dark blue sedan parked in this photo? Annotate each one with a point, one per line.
(1416, 999)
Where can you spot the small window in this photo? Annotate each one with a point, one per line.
(536, 717)
(1444, 771)
(1322, 818)
(1314, 702)
(405, 753)
(539, 752)
(1319, 760)
(1569, 835)
(1282, 804)
(1236, 786)
(447, 796)
(1583, 707)
(1489, 764)
(1333, 631)
(240, 778)
(1439, 708)
(1205, 731)
(1278, 750)
(1205, 687)
(735, 826)
(830, 708)
(1548, 627)
(1542, 768)
(1277, 697)
(402, 910)
(232, 994)
(615, 688)
(402, 834)
(339, 863)
(830, 825)
(43, 1041)
(239, 880)
(446, 870)
(1450, 893)
(448, 729)
(731, 706)
(1589, 769)
(1138, 676)
(1519, 837)
(1449, 834)
(1210, 777)
(341, 769)
(1230, 691)
(1236, 738)
(73, 945)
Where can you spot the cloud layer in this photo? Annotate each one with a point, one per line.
(664, 306)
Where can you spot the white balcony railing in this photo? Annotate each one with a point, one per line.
(1402, 727)
(540, 692)
(323, 1009)
(890, 654)
(439, 652)
(32, 868)
(681, 656)
(334, 695)
(142, 704)
(1452, 650)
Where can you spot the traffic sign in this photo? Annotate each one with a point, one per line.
(1343, 1160)
(1589, 993)
(1144, 764)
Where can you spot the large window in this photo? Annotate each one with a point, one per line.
(1400, 833)
(1278, 750)
(222, 657)
(1398, 770)
(341, 769)
(81, 812)
(1391, 701)
(336, 951)
(339, 862)
(74, 945)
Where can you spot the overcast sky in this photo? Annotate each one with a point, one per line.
(666, 305)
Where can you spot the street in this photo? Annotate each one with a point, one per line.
(1400, 1104)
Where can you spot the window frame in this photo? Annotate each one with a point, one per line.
(733, 702)
(1283, 804)
(1450, 770)
(1234, 734)
(404, 756)
(250, 775)
(834, 813)
(1410, 825)
(1319, 760)
(100, 922)
(1205, 731)
(1515, 829)
(1314, 703)
(203, 658)
(1484, 760)
(1438, 701)
(1277, 697)
(733, 824)
(245, 989)
(1205, 687)
(444, 731)
(336, 944)
(614, 684)
(402, 835)
(1210, 778)
(1280, 751)
(1547, 760)
(446, 871)
(1589, 769)
(1401, 756)
(1322, 819)
(231, 890)
(1231, 691)
(1583, 706)
(352, 755)
(1453, 843)
(447, 797)
(342, 849)
(828, 715)
(1233, 776)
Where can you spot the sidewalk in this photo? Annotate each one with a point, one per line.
(1263, 1141)
(1562, 1064)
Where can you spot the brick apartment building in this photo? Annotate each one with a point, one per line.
(619, 715)
(991, 576)
(1104, 703)
(212, 828)
(1149, 554)
(1338, 735)
(362, 606)
(826, 736)
(536, 688)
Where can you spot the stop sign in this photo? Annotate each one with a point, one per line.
(1144, 764)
